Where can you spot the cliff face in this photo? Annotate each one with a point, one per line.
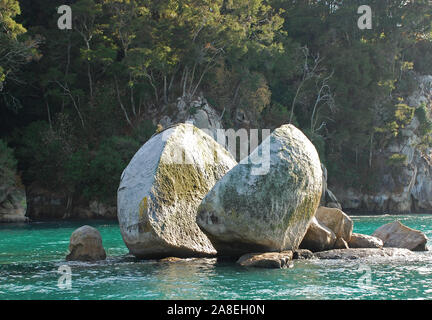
(409, 187)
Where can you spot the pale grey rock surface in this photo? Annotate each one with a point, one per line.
(337, 221)
(365, 241)
(318, 237)
(270, 260)
(362, 253)
(86, 245)
(397, 235)
(161, 188)
(251, 212)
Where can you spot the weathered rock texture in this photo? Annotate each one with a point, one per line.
(247, 212)
(362, 253)
(318, 237)
(407, 188)
(13, 203)
(86, 245)
(364, 241)
(161, 188)
(275, 260)
(196, 111)
(396, 235)
(302, 254)
(337, 221)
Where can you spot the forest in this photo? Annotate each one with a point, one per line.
(75, 105)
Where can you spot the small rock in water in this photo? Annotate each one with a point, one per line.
(86, 245)
(250, 210)
(397, 235)
(364, 241)
(318, 237)
(270, 260)
(337, 221)
(361, 253)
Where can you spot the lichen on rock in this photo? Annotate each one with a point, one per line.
(161, 188)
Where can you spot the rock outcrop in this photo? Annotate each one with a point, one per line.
(13, 203)
(196, 111)
(409, 187)
(337, 221)
(318, 237)
(86, 245)
(362, 253)
(249, 210)
(161, 188)
(397, 235)
(364, 241)
(271, 260)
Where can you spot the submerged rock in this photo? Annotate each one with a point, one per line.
(364, 241)
(161, 188)
(396, 235)
(337, 221)
(318, 237)
(302, 254)
(86, 245)
(271, 260)
(249, 210)
(361, 253)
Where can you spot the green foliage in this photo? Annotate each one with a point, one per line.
(104, 169)
(397, 160)
(100, 86)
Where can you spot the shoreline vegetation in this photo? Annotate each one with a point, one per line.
(77, 104)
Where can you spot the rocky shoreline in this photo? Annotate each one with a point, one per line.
(183, 195)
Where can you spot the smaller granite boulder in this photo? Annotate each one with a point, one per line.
(397, 235)
(337, 221)
(86, 245)
(318, 237)
(270, 260)
(362, 253)
(364, 241)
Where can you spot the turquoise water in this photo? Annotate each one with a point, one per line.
(30, 255)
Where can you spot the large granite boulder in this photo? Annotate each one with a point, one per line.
(86, 245)
(363, 253)
(364, 241)
(337, 221)
(161, 188)
(396, 235)
(318, 237)
(256, 210)
(270, 260)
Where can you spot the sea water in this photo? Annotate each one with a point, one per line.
(31, 255)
